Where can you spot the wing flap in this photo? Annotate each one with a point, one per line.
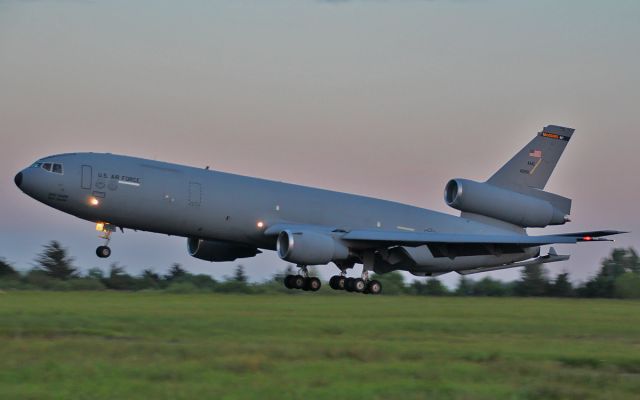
(549, 258)
(413, 239)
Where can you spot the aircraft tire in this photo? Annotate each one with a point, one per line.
(374, 287)
(288, 282)
(334, 282)
(298, 282)
(349, 284)
(341, 282)
(359, 285)
(314, 284)
(103, 251)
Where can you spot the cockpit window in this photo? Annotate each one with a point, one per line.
(56, 168)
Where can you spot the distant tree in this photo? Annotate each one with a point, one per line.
(6, 269)
(392, 282)
(175, 272)
(465, 287)
(533, 281)
(55, 261)
(621, 261)
(627, 286)
(150, 279)
(203, 281)
(490, 287)
(95, 273)
(432, 287)
(239, 275)
(561, 286)
(436, 288)
(150, 275)
(118, 279)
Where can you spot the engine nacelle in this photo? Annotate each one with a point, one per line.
(505, 205)
(214, 250)
(310, 248)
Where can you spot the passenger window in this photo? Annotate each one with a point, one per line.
(47, 166)
(57, 168)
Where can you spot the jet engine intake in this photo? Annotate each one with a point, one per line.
(216, 250)
(506, 205)
(310, 248)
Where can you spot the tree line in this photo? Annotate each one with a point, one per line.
(618, 277)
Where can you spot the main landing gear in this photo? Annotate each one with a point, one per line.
(302, 281)
(358, 285)
(106, 229)
(338, 282)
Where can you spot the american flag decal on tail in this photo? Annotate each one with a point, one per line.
(536, 153)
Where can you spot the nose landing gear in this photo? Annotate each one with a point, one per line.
(103, 251)
(106, 229)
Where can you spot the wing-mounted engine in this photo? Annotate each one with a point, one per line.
(307, 247)
(215, 250)
(526, 208)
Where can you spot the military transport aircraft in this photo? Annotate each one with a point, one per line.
(226, 216)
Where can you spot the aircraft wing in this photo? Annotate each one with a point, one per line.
(385, 238)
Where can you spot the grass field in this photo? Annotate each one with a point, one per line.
(103, 345)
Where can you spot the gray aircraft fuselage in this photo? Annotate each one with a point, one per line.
(192, 202)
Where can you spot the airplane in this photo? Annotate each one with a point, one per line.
(226, 216)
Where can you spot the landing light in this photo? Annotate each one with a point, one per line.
(100, 226)
(260, 224)
(93, 201)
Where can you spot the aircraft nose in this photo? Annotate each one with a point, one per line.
(18, 179)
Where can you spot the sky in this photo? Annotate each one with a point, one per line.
(389, 99)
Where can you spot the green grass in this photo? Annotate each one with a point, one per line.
(104, 345)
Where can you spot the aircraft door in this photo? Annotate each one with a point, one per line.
(87, 172)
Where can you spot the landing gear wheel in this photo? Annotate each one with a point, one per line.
(333, 282)
(337, 282)
(103, 251)
(297, 281)
(312, 284)
(288, 281)
(374, 287)
(359, 285)
(348, 284)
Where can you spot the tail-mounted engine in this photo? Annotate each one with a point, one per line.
(536, 208)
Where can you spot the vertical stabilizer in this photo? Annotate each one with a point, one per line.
(533, 165)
